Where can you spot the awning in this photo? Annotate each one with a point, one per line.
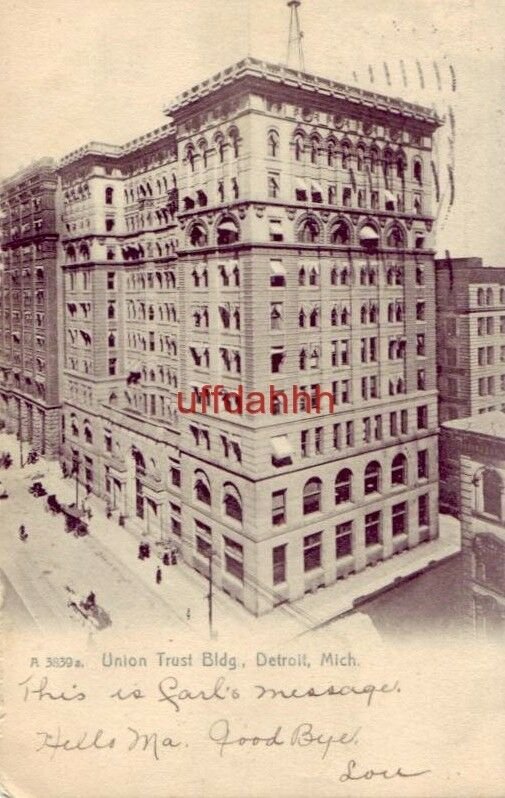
(281, 448)
(390, 197)
(316, 188)
(300, 184)
(229, 226)
(368, 233)
(275, 226)
(278, 268)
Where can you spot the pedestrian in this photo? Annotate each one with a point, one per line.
(166, 558)
(158, 575)
(23, 534)
(174, 558)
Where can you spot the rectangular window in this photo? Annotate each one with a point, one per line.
(345, 395)
(378, 428)
(420, 311)
(319, 440)
(422, 464)
(349, 433)
(279, 564)
(337, 436)
(273, 184)
(343, 540)
(109, 224)
(481, 356)
(175, 476)
(304, 443)
(404, 421)
(312, 551)
(278, 507)
(276, 360)
(175, 519)
(372, 528)
(111, 281)
(452, 356)
(490, 355)
(393, 424)
(490, 385)
(112, 366)
(277, 274)
(367, 430)
(422, 417)
(234, 558)
(399, 518)
(490, 325)
(482, 386)
(423, 509)
(203, 539)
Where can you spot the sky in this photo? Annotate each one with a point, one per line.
(104, 70)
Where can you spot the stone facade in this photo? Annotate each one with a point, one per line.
(277, 232)
(30, 308)
(480, 443)
(470, 353)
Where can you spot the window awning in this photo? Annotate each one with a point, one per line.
(278, 268)
(275, 226)
(390, 197)
(228, 226)
(281, 448)
(300, 184)
(368, 233)
(316, 188)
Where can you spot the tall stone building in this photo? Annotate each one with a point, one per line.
(470, 355)
(479, 445)
(275, 236)
(30, 317)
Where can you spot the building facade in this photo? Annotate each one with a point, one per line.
(470, 354)
(276, 235)
(30, 308)
(479, 442)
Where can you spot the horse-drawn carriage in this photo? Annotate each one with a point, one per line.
(73, 516)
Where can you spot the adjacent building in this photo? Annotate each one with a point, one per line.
(30, 308)
(479, 446)
(470, 354)
(276, 238)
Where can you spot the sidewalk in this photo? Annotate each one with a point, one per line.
(186, 590)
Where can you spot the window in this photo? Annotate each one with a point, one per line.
(273, 143)
(319, 440)
(312, 551)
(109, 195)
(399, 470)
(175, 519)
(378, 428)
(312, 496)
(399, 518)
(109, 223)
(111, 281)
(343, 486)
(422, 464)
(421, 345)
(422, 417)
(372, 528)
(491, 493)
(276, 316)
(452, 356)
(337, 436)
(420, 311)
(278, 507)
(481, 355)
(404, 421)
(203, 539)
(202, 488)
(421, 380)
(423, 510)
(276, 361)
(234, 558)
(277, 274)
(372, 478)
(490, 325)
(273, 185)
(232, 502)
(112, 366)
(349, 433)
(175, 476)
(279, 564)
(343, 540)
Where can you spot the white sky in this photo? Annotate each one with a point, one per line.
(74, 71)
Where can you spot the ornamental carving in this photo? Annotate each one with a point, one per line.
(291, 213)
(260, 210)
(242, 211)
(408, 222)
(429, 225)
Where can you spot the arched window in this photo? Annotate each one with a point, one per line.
(399, 470)
(112, 340)
(233, 135)
(346, 155)
(331, 152)
(84, 251)
(302, 359)
(198, 236)
(190, 156)
(113, 399)
(372, 478)
(299, 147)
(360, 158)
(111, 311)
(343, 486)
(374, 159)
(340, 234)
(489, 296)
(272, 143)
(232, 502)
(417, 171)
(388, 161)
(109, 195)
(88, 435)
(396, 238)
(314, 150)
(308, 232)
(220, 146)
(502, 296)
(334, 276)
(480, 296)
(301, 276)
(227, 231)
(400, 165)
(312, 496)
(492, 492)
(202, 488)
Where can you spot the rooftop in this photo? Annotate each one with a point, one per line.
(280, 74)
(116, 150)
(490, 424)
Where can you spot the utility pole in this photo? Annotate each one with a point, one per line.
(295, 47)
(20, 436)
(76, 472)
(209, 595)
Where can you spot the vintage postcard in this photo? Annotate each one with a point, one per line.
(252, 397)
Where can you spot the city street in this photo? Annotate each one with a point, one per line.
(52, 571)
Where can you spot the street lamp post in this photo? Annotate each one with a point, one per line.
(20, 436)
(75, 468)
